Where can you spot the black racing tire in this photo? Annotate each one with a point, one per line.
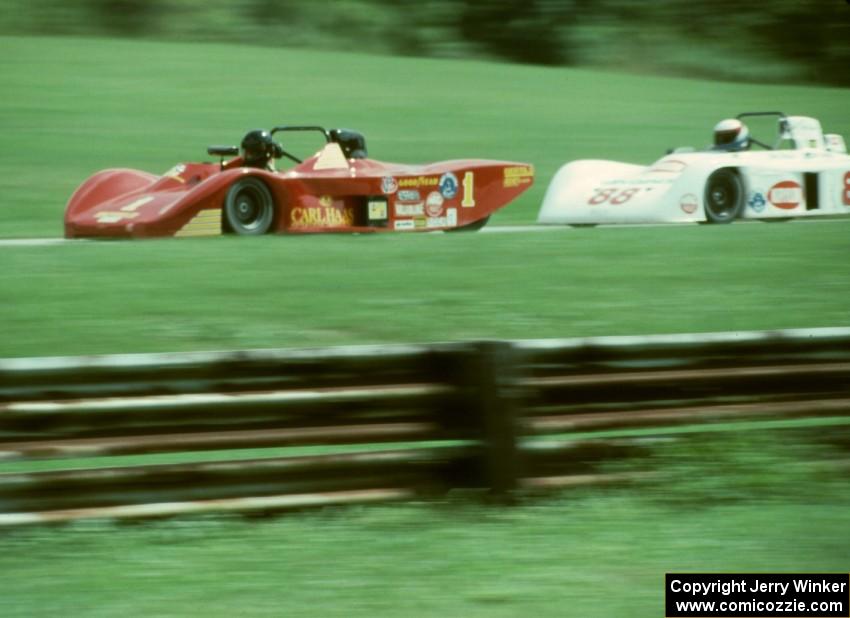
(470, 227)
(724, 196)
(249, 208)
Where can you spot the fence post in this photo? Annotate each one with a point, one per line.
(491, 380)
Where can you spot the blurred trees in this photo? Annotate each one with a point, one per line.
(532, 31)
(782, 40)
(131, 17)
(814, 33)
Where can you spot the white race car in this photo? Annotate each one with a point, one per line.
(803, 173)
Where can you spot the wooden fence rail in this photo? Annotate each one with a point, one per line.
(491, 415)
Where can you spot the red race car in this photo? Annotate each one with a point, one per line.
(339, 189)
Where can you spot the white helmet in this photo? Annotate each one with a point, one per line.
(731, 134)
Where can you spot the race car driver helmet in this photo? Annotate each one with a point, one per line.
(353, 144)
(731, 134)
(257, 148)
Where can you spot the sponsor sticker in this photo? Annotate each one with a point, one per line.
(408, 195)
(437, 222)
(410, 210)
(322, 217)
(377, 210)
(688, 203)
(756, 201)
(389, 185)
(434, 204)
(404, 224)
(448, 185)
(787, 195)
(451, 217)
(517, 175)
(418, 181)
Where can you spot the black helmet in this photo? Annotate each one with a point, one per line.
(258, 147)
(353, 144)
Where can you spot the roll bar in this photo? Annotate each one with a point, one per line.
(321, 130)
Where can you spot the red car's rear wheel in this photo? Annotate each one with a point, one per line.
(249, 207)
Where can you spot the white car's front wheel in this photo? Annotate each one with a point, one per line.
(724, 196)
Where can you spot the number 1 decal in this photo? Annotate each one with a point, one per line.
(468, 190)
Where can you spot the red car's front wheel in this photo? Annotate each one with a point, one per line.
(249, 207)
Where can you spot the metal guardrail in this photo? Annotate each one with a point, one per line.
(492, 415)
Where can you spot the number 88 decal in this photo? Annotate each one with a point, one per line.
(615, 196)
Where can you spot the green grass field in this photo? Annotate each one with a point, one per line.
(73, 106)
(324, 290)
(586, 553)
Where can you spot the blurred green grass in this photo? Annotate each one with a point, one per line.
(586, 552)
(236, 293)
(74, 106)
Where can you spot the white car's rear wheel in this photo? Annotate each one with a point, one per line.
(724, 196)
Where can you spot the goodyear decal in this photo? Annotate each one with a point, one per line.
(517, 175)
(322, 217)
(418, 181)
(205, 223)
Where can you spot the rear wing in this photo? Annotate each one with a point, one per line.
(801, 133)
(805, 132)
(835, 143)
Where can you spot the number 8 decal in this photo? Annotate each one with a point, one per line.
(845, 192)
